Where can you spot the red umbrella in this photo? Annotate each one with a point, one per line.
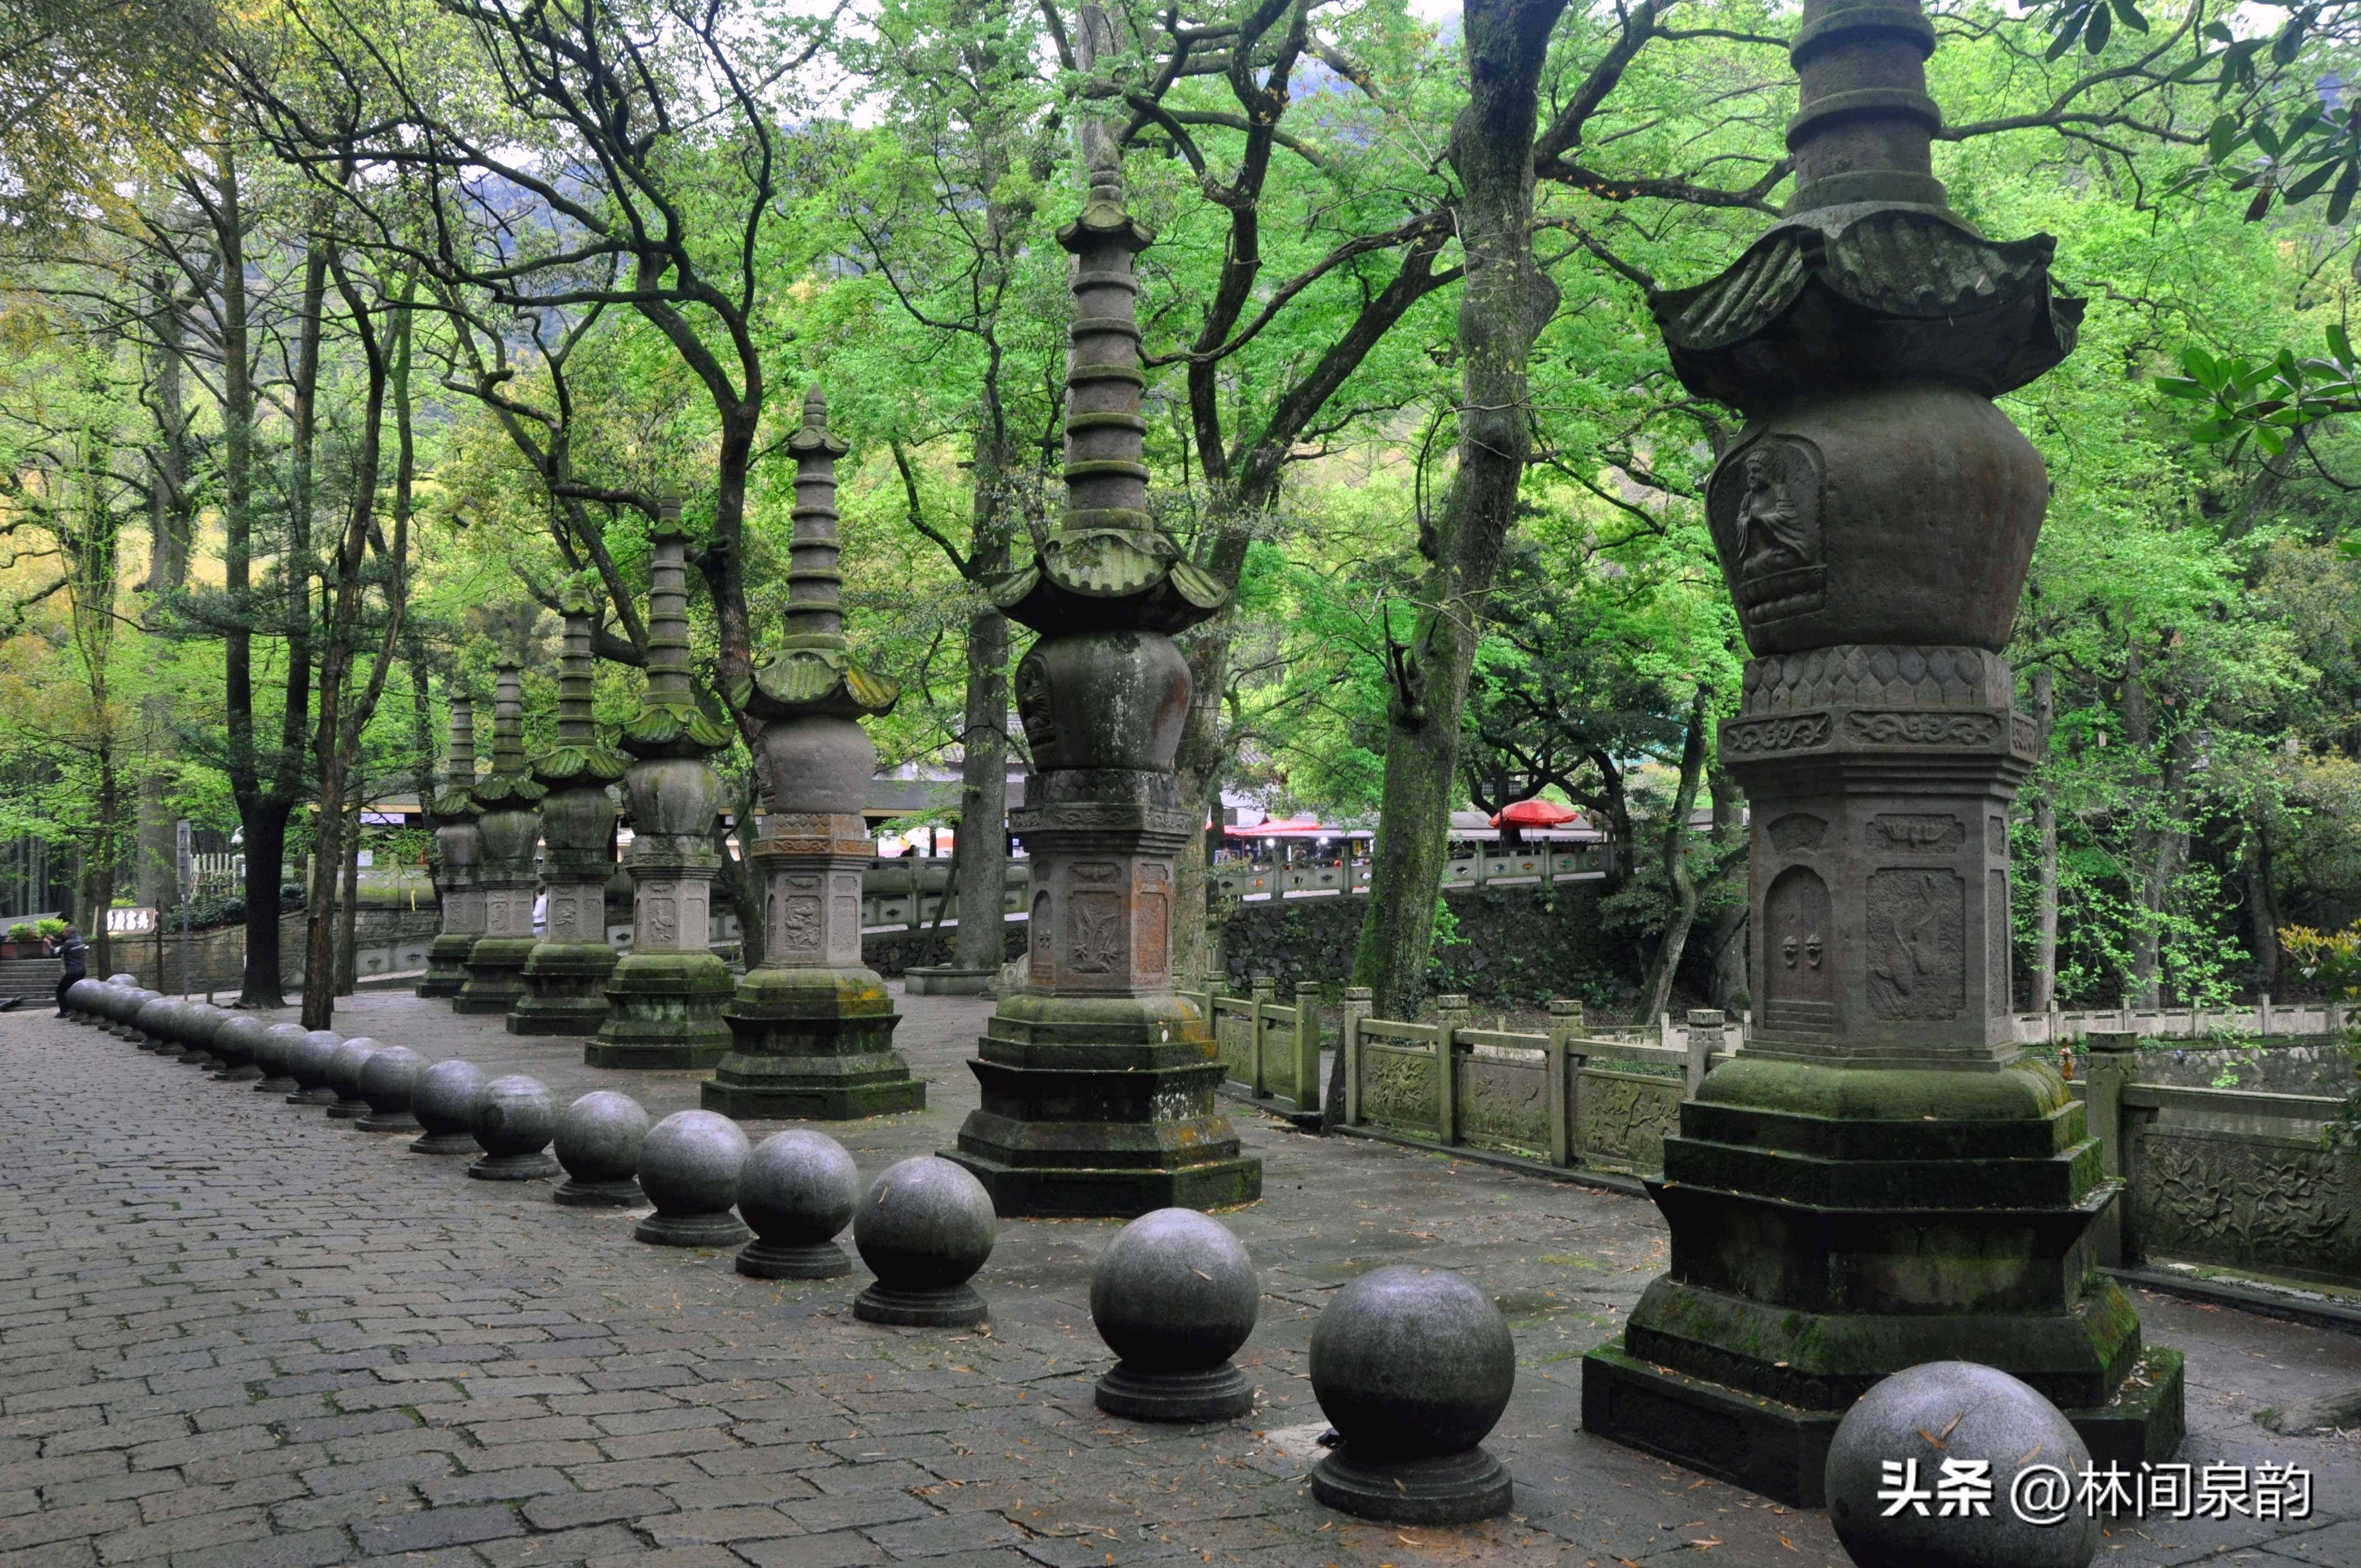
(1535, 814)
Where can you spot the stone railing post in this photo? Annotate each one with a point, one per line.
(1565, 1027)
(2112, 1056)
(1349, 1043)
(1266, 996)
(1307, 1046)
(1706, 1025)
(1449, 1017)
(2263, 1015)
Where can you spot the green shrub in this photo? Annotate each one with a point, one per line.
(52, 926)
(23, 931)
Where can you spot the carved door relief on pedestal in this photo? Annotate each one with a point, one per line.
(799, 918)
(1151, 924)
(1765, 506)
(1917, 946)
(1799, 985)
(1095, 911)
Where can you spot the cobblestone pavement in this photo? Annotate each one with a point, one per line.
(237, 1334)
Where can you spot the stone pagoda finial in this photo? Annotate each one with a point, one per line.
(457, 847)
(1874, 521)
(566, 973)
(510, 786)
(510, 799)
(458, 799)
(670, 722)
(1097, 1081)
(578, 759)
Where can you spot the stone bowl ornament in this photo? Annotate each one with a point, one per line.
(388, 1078)
(344, 1064)
(924, 1227)
(234, 1039)
(1174, 1296)
(797, 1191)
(598, 1140)
(275, 1055)
(157, 1022)
(1413, 1367)
(512, 1119)
(307, 1064)
(443, 1100)
(1958, 1413)
(688, 1168)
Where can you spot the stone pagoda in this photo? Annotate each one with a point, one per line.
(508, 830)
(457, 851)
(813, 1025)
(566, 974)
(1098, 1080)
(1880, 1177)
(665, 997)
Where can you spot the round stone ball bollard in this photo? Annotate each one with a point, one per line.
(797, 1191)
(1412, 1367)
(344, 1065)
(198, 1021)
(307, 1064)
(128, 1017)
(81, 1000)
(688, 1168)
(275, 1055)
(158, 1023)
(924, 1227)
(387, 1078)
(443, 1100)
(234, 1039)
(1175, 1296)
(1974, 1414)
(598, 1140)
(512, 1119)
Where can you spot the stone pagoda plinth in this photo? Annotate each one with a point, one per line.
(813, 1027)
(456, 850)
(566, 974)
(508, 830)
(1098, 1080)
(665, 998)
(1881, 1177)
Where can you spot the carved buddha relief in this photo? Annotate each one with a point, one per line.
(1764, 506)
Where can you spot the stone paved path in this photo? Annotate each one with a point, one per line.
(235, 1334)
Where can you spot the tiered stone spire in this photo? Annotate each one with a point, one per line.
(1098, 1080)
(1881, 1177)
(455, 850)
(813, 1025)
(509, 829)
(565, 975)
(668, 993)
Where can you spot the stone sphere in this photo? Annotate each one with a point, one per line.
(512, 1115)
(1411, 1363)
(120, 978)
(82, 998)
(1979, 1413)
(924, 1224)
(274, 1053)
(345, 1062)
(238, 1037)
(444, 1097)
(599, 1137)
(388, 1078)
(308, 1057)
(798, 1186)
(1174, 1292)
(689, 1163)
(158, 1018)
(200, 1023)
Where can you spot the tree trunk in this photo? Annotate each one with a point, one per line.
(2045, 827)
(1672, 850)
(1504, 304)
(980, 854)
(349, 902)
(2263, 906)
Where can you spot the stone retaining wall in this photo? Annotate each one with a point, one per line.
(1519, 945)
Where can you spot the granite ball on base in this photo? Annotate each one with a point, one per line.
(344, 1065)
(443, 1100)
(197, 1021)
(1174, 1296)
(924, 1227)
(1413, 1367)
(235, 1041)
(512, 1119)
(688, 1168)
(388, 1080)
(598, 1142)
(797, 1191)
(307, 1064)
(126, 1016)
(275, 1055)
(1963, 1413)
(81, 998)
(158, 1021)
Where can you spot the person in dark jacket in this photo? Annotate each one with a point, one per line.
(75, 954)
